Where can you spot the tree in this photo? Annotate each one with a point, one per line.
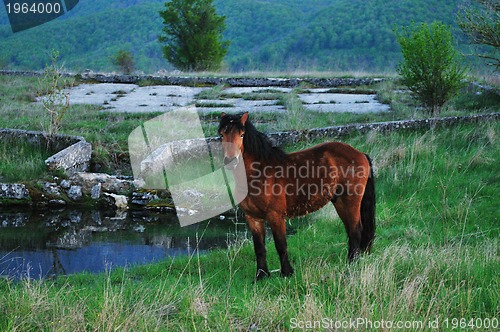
(430, 66)
(193, 35)
(482, 24)
(124, 60)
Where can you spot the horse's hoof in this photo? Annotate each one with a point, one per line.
(287, 272)
(261, 274)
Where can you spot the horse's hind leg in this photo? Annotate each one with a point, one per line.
(258, 230)
(278, 227)
(348, 210)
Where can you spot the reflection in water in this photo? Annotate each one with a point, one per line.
(70, 241)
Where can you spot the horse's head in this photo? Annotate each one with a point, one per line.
(232, 132)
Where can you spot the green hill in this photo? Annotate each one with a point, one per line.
(264, 34)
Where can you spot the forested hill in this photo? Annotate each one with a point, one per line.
(265, 34)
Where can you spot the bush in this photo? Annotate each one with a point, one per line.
(125, 61)
(53, 97)
(430, 68)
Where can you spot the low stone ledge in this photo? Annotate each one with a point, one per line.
(208, 81)
(107, 183)
(14, 191)
(280, 138)
(72, 153)
(39, 138)
(231, 81)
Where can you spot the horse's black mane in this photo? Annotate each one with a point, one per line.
(256, 143)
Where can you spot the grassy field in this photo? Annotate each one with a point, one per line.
(435, 261)
(108, 132)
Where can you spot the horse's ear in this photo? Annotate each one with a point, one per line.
(222, 115)
(244, 118)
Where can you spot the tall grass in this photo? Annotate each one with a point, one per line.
(21, 161)
(435, 257)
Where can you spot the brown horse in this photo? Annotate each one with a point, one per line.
(282, 185)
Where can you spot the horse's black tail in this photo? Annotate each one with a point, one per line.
(368, 204)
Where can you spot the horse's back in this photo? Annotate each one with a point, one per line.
(328, 152)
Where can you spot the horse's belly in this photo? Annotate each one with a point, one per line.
(299, 206)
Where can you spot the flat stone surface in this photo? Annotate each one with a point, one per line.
(133, 98)
(342, 102)
(163, 98)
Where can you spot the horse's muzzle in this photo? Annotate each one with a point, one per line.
(231, 163)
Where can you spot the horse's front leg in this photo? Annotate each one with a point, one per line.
(278, 227)
(258, 229)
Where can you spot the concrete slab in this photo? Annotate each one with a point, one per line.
(336, 98)
(348, 108)
(133, 98)
(339, 102)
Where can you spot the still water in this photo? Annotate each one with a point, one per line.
(41, 245)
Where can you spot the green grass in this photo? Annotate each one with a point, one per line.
(435, 257)
(21, 161)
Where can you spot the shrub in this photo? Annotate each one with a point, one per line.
(53, 97)
(430, 68)
(125, 61)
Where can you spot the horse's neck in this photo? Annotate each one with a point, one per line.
(252, 164)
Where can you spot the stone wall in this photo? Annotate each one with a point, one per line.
(294, 136)
(71, 153)
(39, 139)
(89, 76)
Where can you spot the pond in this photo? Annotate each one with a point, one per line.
(41, 245)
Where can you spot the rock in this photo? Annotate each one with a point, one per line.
(96, 217)
(192, 194)
(139, 228)
(143, 198)
(75, 193)
(95, 193)
(51, 189)
(168, 154)
(19, 219)
(14, 191)
(185, 212)
(65, 184)
(120, 201)
(109, 183)
(75, 217)
(75, 158)
(72, 239)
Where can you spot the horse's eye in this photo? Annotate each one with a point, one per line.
(242, 135)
